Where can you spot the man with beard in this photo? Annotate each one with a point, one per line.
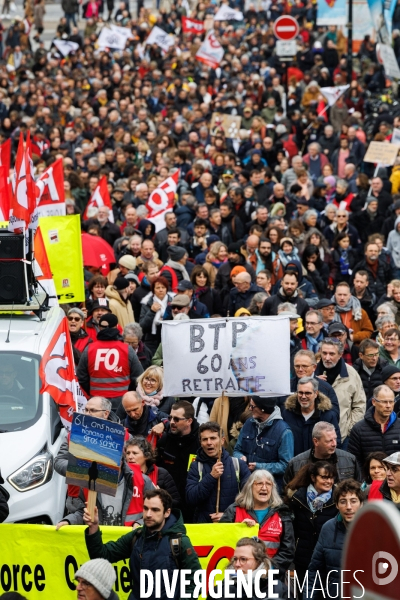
(161, 543)
(287, 293)
(267, 259)
(380, 273)
(347, 384)
(233, 224)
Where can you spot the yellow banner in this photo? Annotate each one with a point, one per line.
(40, 562)
(62, 238)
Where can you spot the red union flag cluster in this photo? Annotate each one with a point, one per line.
(100, 197)
(192, 26)
(210, 52)
(162, 200)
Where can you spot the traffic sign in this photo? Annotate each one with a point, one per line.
(286, 28)
(371, 553)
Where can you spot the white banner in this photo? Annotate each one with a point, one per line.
(205, 357)
(124, 31)
(225, 13)
(161, 38)
(396, 136)
(333, 93)
(210, 52)
(109, 38)
(65, 47)
(387, 58)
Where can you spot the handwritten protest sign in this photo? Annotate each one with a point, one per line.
(382, 153)
(229, 123)
(238, 356)
(95, 451)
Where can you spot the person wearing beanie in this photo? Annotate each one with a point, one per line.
(265, 441)
(79, 338)
(118, 297)
(98, 308)
(99, 576)
(391, 378)
(108, 367)
(176, 268)
(126, 264)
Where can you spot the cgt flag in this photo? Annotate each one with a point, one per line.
(57, 373)
(100, 197)
(50, 194)
(210, 52)
(192, 26)
(162, 200)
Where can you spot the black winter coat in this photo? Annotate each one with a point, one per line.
(370, 382)
(222, 280)
(319, 278)
(366, 436)
(284, 557)
(165, 482)
(270, 306)
(378, 283)
(210, 298)
(203, 493)
(307, 525)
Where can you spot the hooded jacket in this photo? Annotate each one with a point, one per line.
(367, 436)
(202, 493)
(121, 309)
(393, 243)
(302, 428)
(152, 551)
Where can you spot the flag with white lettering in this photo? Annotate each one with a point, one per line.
(210, 52)
(162, 200)
(192, 26)
(100, 197)
(50, 194)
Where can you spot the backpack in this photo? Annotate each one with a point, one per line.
(235, 466)
(175, 543)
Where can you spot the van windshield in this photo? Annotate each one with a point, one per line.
(20, 400)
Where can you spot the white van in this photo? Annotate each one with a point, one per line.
(31, 432)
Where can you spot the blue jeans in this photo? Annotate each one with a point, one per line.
(71, 17)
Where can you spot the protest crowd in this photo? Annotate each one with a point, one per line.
(233, 188)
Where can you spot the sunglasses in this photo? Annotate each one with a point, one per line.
(176, 419)
(76, 319)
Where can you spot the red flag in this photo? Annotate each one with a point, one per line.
(57, 373)
(162, 200)
(4, 194)
(192, 26)
(5, 155)
(50, 193)
(100, 197)
(19, 200)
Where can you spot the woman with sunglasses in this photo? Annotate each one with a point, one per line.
(260, 503)
(249, 557)
(139, 451)
(79, 338)
(150, 388)
(309, 496)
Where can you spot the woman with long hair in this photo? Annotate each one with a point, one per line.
(260, 503)
(217, 255)
(203, 291)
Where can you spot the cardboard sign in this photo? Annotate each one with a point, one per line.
(382, 153)
(95, 451)
(235, 355)
(229, 123)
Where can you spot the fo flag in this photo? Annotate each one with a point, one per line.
(333, 93)
(50, 194)
(210, 51)
(162, 200)
(192, 26)
(57, 373)
(41, 269)
(100, 197)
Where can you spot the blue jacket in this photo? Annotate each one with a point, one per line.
(302, 429)
(203, 493)
(271, 448)
(197, 310)
(323, 387)
(242, 299)
(184, 216)
(327, 556)
(145, 424)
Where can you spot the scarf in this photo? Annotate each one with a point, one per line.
(287, 258)
(153, 399)
(160, 313)
(395, 497)
(178, 267)
(316, 501)
(200, 290)
(312, 342)
(353, 304)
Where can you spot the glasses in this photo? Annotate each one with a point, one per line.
(326, 477)
(303, 366)
(394, 469)
(176, 419)
(385, 402)
(394, 378)
(306, 394)
(311, 323)
(93, 411)
(84, 584)
(261, 484)
(148, 379)
(372, 356)
(76, 319)
(241, 559)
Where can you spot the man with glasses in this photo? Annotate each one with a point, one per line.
(391, 378)
(379, 430)
(95, 580)
(306, 408)
(390, 488)
(327, 309)
(265, 441)
(370, 367)
(340, 332)
(347, 384)
(314, 331)
(341, 224)
(178, 446)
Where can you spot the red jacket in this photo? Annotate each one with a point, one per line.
(109, 368)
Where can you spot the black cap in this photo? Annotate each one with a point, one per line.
(99, 303)
(121, 283)
(337, 328)
(267, 405)
(388, 371)
(185, 285)
(109, 320)
(324, 303)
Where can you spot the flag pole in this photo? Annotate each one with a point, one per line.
(350, 42)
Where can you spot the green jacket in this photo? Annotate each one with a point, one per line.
(152, 551)
(158, 357)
